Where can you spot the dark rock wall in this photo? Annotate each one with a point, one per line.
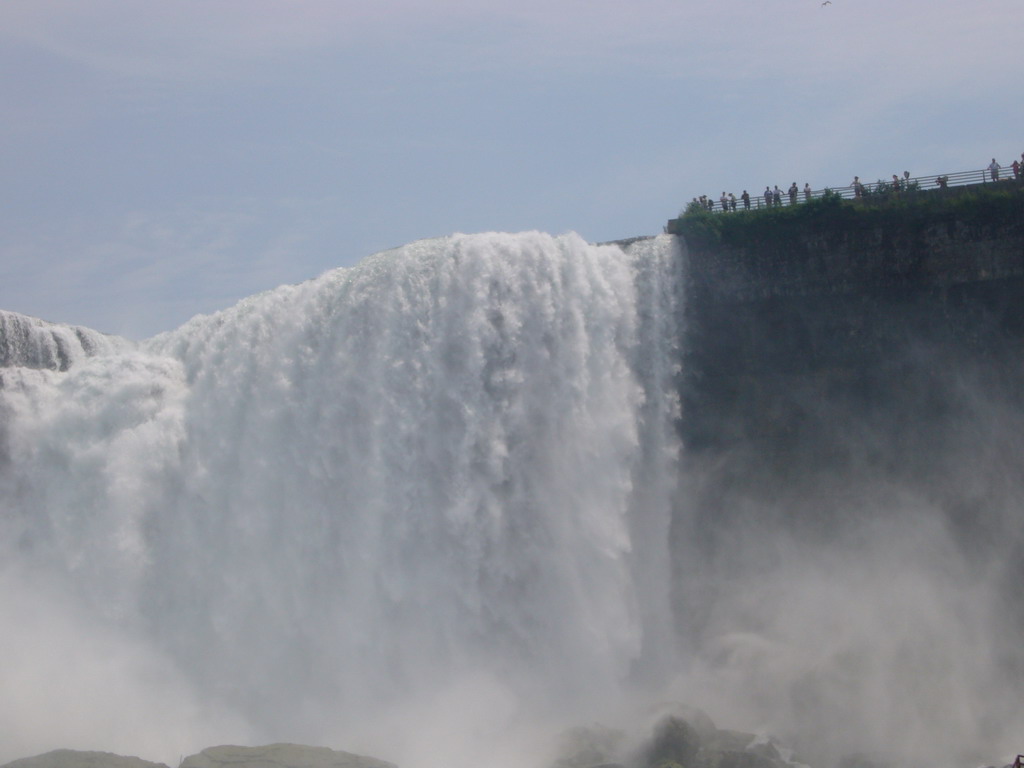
(843, 313)
(823, 365)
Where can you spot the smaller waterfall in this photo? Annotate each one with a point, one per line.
(30, 343)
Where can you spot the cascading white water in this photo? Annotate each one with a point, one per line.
(438, 480)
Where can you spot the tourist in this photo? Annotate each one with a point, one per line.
(807, 192)
(724, 200)
(858, 188)
(993, 169)
(906, 179)
(793, 191)
(732, 202)
(776, 196)
(768, 196)
(745, 197)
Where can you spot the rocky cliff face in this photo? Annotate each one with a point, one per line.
(852, 416)
(840, 305)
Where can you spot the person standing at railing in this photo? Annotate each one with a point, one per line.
(768, 196)
(745, 197)
(732, 202)
(993, 169)
(858, 188)
(724, 200)
(776, 196)
(807, 192)
(793, 192)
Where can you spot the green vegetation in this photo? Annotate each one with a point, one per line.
(977, 205)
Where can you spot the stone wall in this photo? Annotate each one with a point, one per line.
(840, 308)
(845, 374)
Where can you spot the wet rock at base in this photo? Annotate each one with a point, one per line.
(864, 760)
(696, 718)
(279, 756)
(726, 740)
(674, 741)
(589, 746)
(730, 758)
(681, 736)
(72, 758)
(688, 738)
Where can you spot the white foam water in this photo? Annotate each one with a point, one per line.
(401, 508)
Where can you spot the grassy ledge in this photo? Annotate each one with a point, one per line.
(995, 204)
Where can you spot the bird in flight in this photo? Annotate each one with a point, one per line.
(827, 2)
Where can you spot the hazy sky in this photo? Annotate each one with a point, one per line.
(160, 159)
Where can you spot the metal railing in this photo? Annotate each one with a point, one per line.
(874, 190)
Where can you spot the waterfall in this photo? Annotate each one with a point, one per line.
(26, 342)
(432, 488)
